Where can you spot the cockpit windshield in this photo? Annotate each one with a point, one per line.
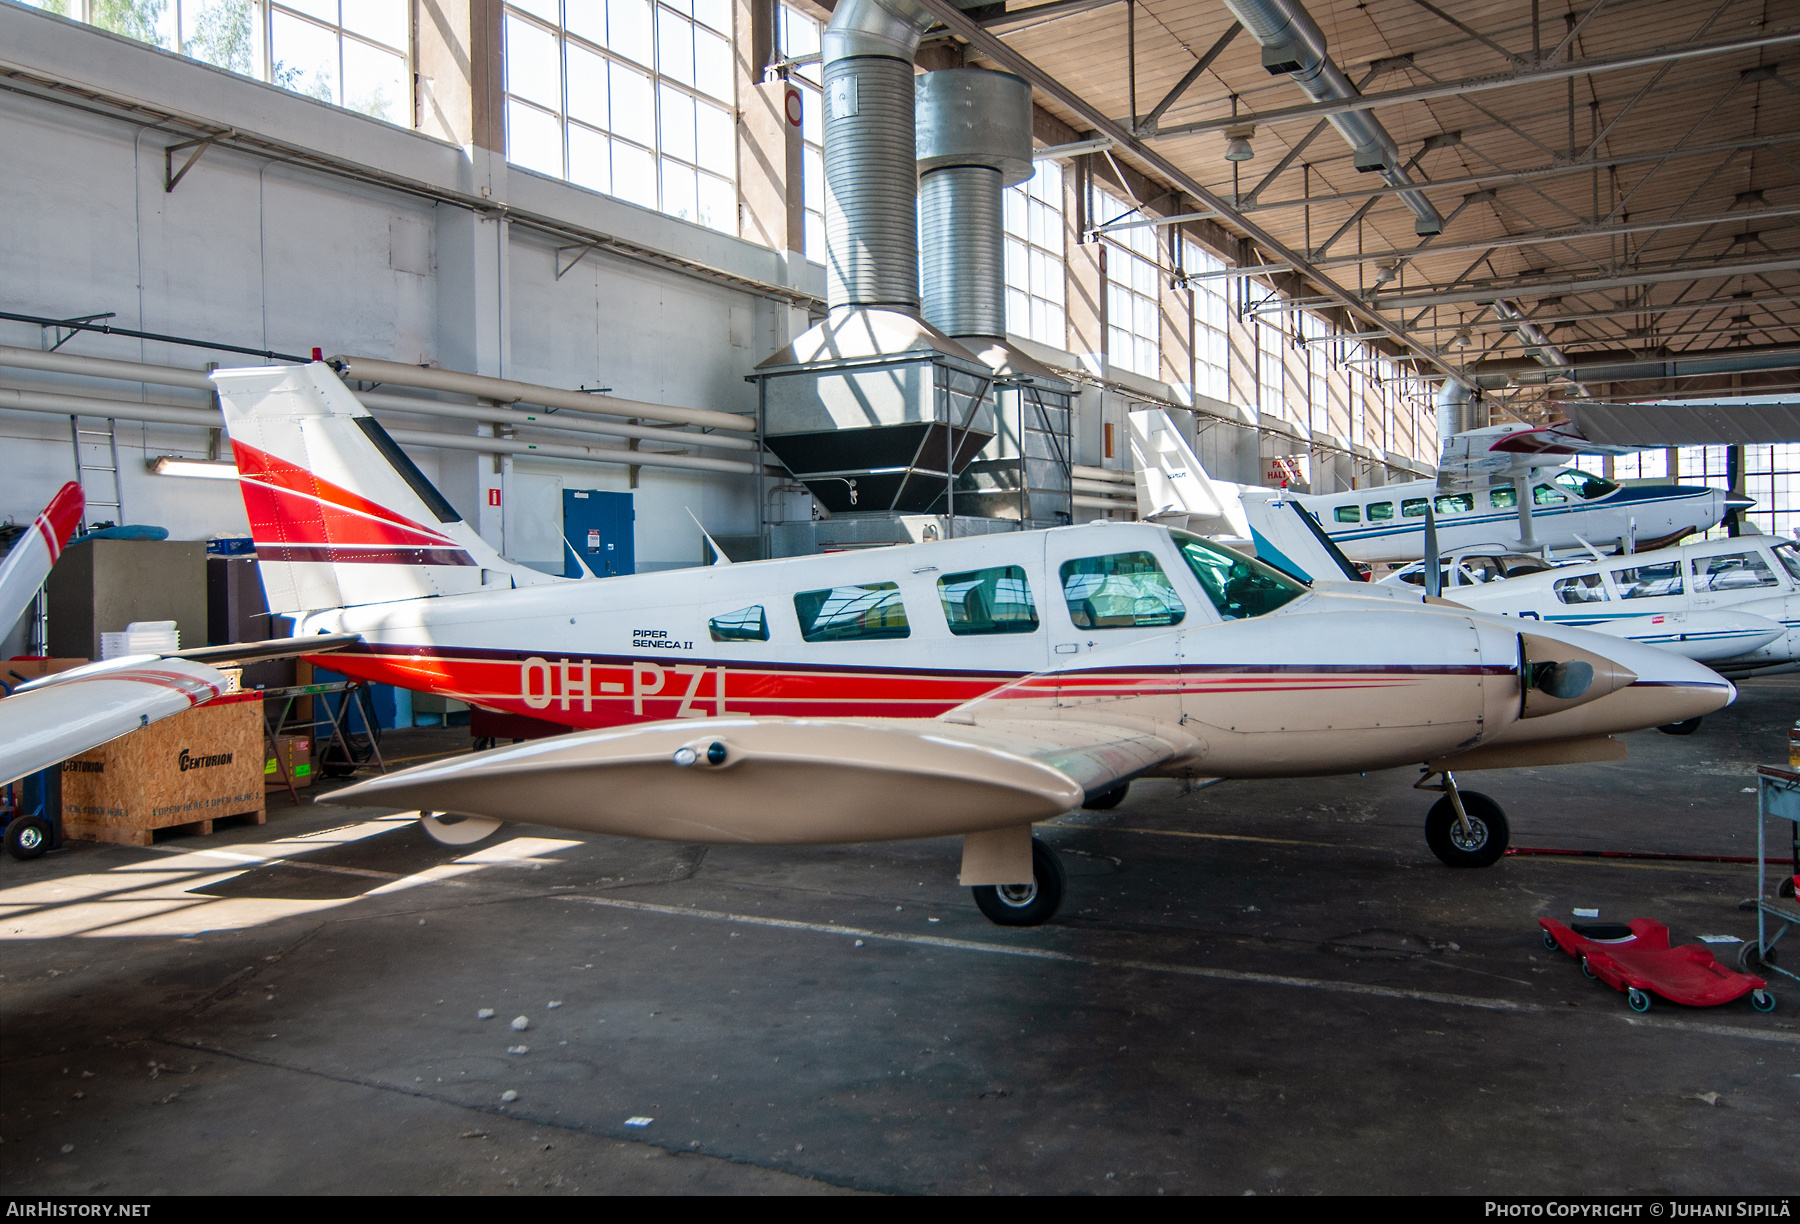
(1238, 586)
(1585, 485)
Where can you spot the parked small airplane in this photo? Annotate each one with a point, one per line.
(968, 686)
(1476, 500)
(1733, 604)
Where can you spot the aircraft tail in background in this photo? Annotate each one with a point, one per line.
(339, 514)
(1173, 489)
(28, 564)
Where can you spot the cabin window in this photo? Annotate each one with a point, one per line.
(1789, 556)
(996, 600)
(1238, 586)
(744, 625)
(1544, 495)
(1123, 591)
(1584, 485)
(1733, 572)
(1413, 507)
(1649, 581)
(852, 613)
(1455, 503)
(1380, 510)
(1503, 497)
(1583, 588)
(1348, 514)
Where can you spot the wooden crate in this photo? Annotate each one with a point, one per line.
(295, 753)
(187, 770)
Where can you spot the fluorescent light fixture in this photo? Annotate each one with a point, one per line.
(204, 469)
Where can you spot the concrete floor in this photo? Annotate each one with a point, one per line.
(1266, 987)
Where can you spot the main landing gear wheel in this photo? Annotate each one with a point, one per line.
(1105, 801)
(1484, 841)
(27, 837)
(1025, 904)
(1685, 727)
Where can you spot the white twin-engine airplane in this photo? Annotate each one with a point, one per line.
(1476, 501)
(963, 687)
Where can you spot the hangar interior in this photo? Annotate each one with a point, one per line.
(582, 261)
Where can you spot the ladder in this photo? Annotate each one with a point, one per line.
(97, 451)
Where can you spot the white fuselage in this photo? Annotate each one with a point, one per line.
(1324, 683)
(1387, 523)
(1733, 604)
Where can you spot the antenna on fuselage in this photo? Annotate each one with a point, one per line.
(719, 557)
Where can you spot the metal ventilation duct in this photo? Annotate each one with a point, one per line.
(1293, 44)
(871, 186)
(974, 141)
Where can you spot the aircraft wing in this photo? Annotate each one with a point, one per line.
(1509, 449)
(66, 714)
(1700, 422)
(28, 564)
(788, 781)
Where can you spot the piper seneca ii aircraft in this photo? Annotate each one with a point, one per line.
(963, 687)
(1476, 500)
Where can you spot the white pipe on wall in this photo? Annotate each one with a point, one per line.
(570, 424)
(506, 391)
(511, 446)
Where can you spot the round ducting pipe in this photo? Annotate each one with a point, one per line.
(973, 141)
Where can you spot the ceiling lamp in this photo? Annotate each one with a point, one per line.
(1237, 142)
(1464, 338)
(1386, 272)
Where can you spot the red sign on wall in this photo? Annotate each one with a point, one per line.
(493, 497)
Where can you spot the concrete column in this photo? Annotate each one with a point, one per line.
(459, 71)
(769, 165)
(1086, 286)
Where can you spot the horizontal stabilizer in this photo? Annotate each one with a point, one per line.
(64, 715)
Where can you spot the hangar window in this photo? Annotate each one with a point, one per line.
(847, 613)
(1347, 514)
(1238, 586)
(1455, 503)
(355, 53)
(1583, 588)
(996, 600)
(1413, 507)
(1123, 591)
(744, 625)
(1133, 289)
(627, 97)
(1649, 581)
(1380, 510)
(1733, 572)
(1034, 257)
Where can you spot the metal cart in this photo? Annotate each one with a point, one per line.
(1777, 797)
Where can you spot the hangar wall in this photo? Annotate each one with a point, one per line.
(270, 254)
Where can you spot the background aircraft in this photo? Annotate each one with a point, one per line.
(1476, 500)
(966, 686)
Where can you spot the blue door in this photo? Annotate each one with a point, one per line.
(599, 528)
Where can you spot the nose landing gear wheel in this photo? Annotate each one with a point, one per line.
(1030, 904)
(1686, 726)
(1483, 843)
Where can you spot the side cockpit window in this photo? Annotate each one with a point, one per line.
(1238, 586)
(1584, 588)
(1122, 591)
(996, 600)
(744, 625)
(852, 613)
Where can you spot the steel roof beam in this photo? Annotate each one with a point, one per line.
(1503, 177)
(1647, 276)
(1477, 84)
(995, 49)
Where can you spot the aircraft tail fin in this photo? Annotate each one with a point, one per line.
(1173, 488)
(339, 514)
